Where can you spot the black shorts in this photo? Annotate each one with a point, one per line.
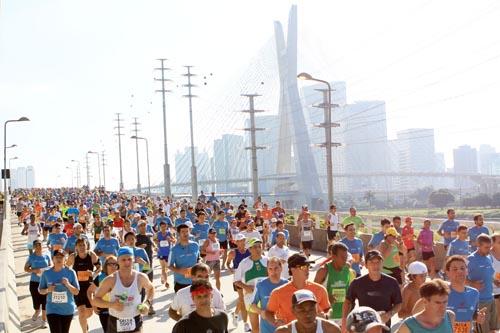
(47, 228)
(112, 325)
(232, 245)
(81, 298)
(497, 296)
(396, 273)
(37, 298)
(223, 245)
(331, 234)
(18, 214)
(307, 245)
(427, 255)
(179, 286)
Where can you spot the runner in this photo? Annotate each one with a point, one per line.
(36, 264)
(236, 256)
(222, 227)
(97, 227)
(476, 230)
(426, 241)
(435, 318)
(109, 268)
(183, 256)
(164, 241)
(306, 226)
(379, 236)
(448, 229)
(336, 277)
(417, 274)
(34, 231)
(250, 271)
(280, 227)
(124, 288)
(204, 318)
(211, 247)
(408, 237)
(61, 285)
(459, 246)
(495, 256)
(182, 219)
(353, 219)
(355, 247)
(332, 223)
(391, 249)
(107, 245)
(141, 258)
(56, 239)
(182, 304)
(304, 306)
(69, 247)
(463, 300)
(144, 240)
(278, 211)
(281, 251)
(364, 319)
(83, 262)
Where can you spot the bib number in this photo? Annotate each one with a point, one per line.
(462, 327)
(259, 228)
(307, 233)
(339, 294)
(164, 243)
(215, 246)
(125, 325)
(83, 276)
(59, 297)
(222, 231)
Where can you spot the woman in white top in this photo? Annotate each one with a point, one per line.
(332, 223)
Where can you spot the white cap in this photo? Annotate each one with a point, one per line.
(239, 237)
(417, 268)
(189, 224)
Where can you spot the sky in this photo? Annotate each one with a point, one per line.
(69, 66)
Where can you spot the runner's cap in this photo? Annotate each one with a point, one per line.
(125, 251)
(239, 237)
(298, 260)
(417, 268)
(254, 241)
(303, 295)
(363, 318)
(373, 254)
(391, 232)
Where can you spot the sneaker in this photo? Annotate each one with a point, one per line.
(151, 311)
(35, 315)
(44, 324)
(247, 327)
(236, 319)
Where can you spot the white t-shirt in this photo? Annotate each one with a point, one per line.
(282, 253)
(183, 303)
(334, 222)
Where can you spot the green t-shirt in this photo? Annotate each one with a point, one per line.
(353, 219)
(337, 284)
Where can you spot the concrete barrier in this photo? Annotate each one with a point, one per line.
(9, 309)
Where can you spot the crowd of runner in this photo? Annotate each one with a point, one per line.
(94, 252)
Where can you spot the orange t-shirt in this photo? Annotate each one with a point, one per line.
(267, 214)
(280, 301)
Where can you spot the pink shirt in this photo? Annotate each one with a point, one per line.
(213, 246)
(426, 240)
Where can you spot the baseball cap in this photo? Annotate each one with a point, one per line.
(250, 222)
(417, 268)
(189, 224)
(363, 318)
(125, 251)
(239, 237)
(212, 231)
(298, 260)
(76, 225)
(391, 232)
(373, 254)
(303, 295)
(274, 220)
(58, 252)
(254, 241)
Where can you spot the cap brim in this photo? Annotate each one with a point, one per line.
(372, 325)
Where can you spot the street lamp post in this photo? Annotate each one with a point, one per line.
(77, 172)
(328, 132)
(5, 165)
(98, 164)
(147, 158)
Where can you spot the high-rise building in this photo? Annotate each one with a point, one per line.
(183, 167)
(487, 157)
(22, 177)
(30, 176)
(230, 162)
(416, 153)
(465, 161)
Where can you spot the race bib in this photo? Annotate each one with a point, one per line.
(222, 231)
(339, 294)
(215, 246)
(259, 228)
(356, 258)
(83, 276)
(125, 325)
(164, 243)
(307, 233)
(59, 297)
(462, 327)
(453, 234)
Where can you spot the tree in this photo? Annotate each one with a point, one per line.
(422, 194)
(441, 198)
(369, 197)
(480, 200)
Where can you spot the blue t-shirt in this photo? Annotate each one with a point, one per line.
(262, 293)
(200, 231)
(274, 234)
(355, 248)
(64, 302)
(57, 239)
(481, 269)
(73, 211)
(181, 220)
(191, 217)
(71, 242)
(474, 232)
(166, 219)
(458, 247)
(107, 246)
(141, 253)
(463, 304)
(376, 239)
(222, 229)
(36, 262)
(449, 226)
(183, 256)
(163, 251)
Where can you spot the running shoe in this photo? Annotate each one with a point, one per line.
(247, 327)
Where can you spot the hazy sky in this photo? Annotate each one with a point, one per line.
(70, 65)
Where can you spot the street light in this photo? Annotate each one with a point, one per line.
(328, 133)
(98, 164)
(147, 158)
(12, 146)
(77, 172)
(5, 166)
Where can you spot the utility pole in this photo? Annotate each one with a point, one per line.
(136, 134)
(253, 148)
(194, 177)
(119, 134)
(103, 168)
(328, 144)
(88, 170)
(166, 167)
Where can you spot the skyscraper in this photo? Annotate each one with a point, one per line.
(465, 161)
(230, 161)
(487, 157)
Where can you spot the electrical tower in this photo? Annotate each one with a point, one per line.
(194, 177)
(136, 134)
(119, 134)
(253, 148)
(166, 165)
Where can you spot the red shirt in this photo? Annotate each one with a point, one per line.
(408, 236)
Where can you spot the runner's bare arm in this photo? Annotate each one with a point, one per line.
(321, 275)
(105, 287)
(403, 329)
(346, 308)
(173, 314)
(71, 260)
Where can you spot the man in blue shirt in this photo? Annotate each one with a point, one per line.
(221, 226)
(107, 245)
(459, 246)
(263, 291)
(69, 247)
(280, 227)
(355, 246)
(200, 229)
(57, 238)
(480, 268)
(183, 256)
(379, 236)
(182, 219)
(73, 211)
(141, 263)
(448, 229)
(162, 217)
(476, 230)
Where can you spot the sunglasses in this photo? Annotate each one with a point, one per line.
(112, 264)
(303, 267)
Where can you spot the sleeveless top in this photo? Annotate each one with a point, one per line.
(393, 260)
(319, 327)
(239, 257)
(213, 246)
(129, 296)
(306, 234)
(415, 327)
(337, 284)
(81, 267)
(496, 267)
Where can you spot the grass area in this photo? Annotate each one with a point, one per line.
(461, 213)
